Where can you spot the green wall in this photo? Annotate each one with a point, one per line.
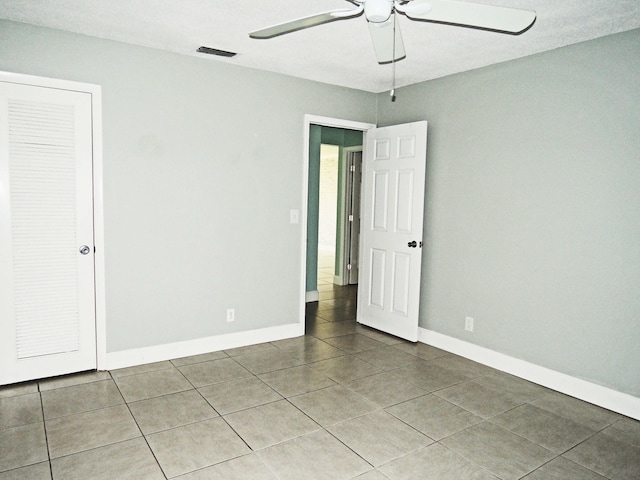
(532, 212)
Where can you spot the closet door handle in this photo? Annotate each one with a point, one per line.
(84, 249)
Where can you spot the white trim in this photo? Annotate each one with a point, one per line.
(312, 296)
(159, 353)
(590, 392)
(98, 230)
(325, 122)
(98, 202)
(343, 277)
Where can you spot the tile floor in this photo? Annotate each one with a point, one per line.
(343, 402)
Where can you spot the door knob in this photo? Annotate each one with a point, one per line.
(84, 249)
(412, 244)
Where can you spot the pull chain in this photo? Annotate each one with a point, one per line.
(393, 62)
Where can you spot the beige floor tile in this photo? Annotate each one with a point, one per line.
(269, 424)
(39, 471)
(147, 367)
(193, 447)
(354, 343)
(18, 389)
(462, 365)
(626, 430)
(387, 358)
(309, 349)
(80, 398)
(248, 467)
(608, 456)
(345, 368)
(333, 405)
(128, 460)
(205, 357)
(73, 379)
(379, 437)
(170, 411)
(435, 462)
(505, 454)
(317, 456)
(562, 469)
(430, 377)
(232, 396)
(385, 389)
(151, 384)
(551, 431)
(478, 399)
(267, 361)
(421, 350)
(331, 329)
(296, 380)
(584, 413)
(434, 416)
(372, 475)
(21, 446)
(20, 410)
(215, 371)
(84, 431)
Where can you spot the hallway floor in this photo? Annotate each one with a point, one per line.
(342, 402)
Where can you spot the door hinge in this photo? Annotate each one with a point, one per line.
(352, 168)
(348, 266)
(351, 218)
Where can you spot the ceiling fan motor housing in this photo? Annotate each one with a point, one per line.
(378, 11)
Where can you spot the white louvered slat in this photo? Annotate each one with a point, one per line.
(42, 170)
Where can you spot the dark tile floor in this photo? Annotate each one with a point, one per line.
(342, 402)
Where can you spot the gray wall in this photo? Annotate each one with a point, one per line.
(533, 207)
(202, 163)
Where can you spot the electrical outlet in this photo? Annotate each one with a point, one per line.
(468, 324)
(231, 314)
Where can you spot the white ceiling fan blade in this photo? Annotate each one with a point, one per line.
(306, 22)
(476, 15)
(383, 42)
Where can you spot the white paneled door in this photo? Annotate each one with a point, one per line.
(47, 297)
(391, 231)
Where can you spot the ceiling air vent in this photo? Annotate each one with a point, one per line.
(215, 51)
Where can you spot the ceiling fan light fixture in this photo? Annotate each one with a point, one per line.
(378, 11)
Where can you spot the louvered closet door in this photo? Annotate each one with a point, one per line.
(47, 300)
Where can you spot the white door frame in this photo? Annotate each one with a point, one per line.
(347, 193)
(324, 122)
(98, 214)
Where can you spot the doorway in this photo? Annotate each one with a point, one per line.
(347, 139)
(51, 278)
(309, 260)
(395, 200)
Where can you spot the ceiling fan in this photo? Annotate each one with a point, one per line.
(384, 28)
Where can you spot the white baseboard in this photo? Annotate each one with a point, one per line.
(312, 296)
(158, 353)
(590, 392)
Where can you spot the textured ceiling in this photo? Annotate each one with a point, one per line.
(338, 53)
